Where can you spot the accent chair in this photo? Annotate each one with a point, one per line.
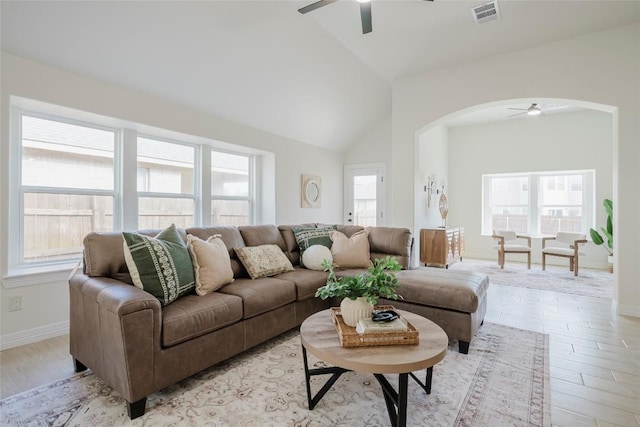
(508, 244)
(568, 246)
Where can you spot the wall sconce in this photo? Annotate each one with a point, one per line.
(430, 189)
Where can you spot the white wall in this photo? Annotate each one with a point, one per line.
(372, 147)
(433, 158)
(45, 306)
(601, 69)
(559, 142)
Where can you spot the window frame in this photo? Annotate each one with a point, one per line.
(534, 206)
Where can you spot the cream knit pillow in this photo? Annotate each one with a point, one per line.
(351, 252)
(211, 263)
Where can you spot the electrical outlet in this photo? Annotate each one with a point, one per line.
(15, 303)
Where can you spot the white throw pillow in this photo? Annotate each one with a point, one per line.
(313, 256)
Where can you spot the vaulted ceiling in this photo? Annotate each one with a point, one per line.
(314, 78)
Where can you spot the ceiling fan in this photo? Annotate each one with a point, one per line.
(536, 109)
(365, 12)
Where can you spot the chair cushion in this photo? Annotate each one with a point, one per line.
(569, 238)
(192, 316)
(261, 295)
(514, 248)
(508, 235)
(560, 251)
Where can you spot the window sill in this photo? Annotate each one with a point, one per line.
(34, 276)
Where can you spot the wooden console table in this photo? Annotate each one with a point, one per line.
(440, 247)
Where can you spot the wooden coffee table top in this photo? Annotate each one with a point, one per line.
(320, 338)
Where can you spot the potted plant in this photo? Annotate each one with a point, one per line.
(360, 293)
(598, 239)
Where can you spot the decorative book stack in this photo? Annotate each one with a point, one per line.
(366, 326)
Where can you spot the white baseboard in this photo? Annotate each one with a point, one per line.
(29, 336)
(626, 310)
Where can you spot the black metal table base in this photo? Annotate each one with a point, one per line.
(396, 401)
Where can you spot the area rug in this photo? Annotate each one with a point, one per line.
(590, 282)
(503, 381)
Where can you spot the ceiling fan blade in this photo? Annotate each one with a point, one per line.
(553, 107)
(316, 5)
(365, 15)
(519, 109)
(517, 114)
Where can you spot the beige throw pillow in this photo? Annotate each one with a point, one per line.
(264, 260)
(211, 263)
(351, 252)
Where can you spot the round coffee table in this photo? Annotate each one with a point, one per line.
(320, 338)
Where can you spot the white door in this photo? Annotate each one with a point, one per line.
(364, 195)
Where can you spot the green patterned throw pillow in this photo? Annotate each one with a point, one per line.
(309, 236)
(161, 266)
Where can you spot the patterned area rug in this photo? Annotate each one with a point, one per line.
(503, 381)
(590, 282)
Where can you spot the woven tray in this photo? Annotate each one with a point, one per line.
(350, 338)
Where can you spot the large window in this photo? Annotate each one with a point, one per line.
(71, 177)
(538, 203)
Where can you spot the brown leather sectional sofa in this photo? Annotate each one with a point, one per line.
(138, 347)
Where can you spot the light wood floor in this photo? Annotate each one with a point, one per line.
(595, 368)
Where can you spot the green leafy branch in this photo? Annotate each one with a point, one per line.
(378, 282)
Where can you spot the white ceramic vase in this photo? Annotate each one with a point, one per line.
(353, 310)
(610, 261)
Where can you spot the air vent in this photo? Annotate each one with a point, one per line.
(486, 12)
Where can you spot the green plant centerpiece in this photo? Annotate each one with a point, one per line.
(607, 233)
(360, 293)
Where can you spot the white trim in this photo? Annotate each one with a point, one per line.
(626, 310)
(41, 275)
(29, 336)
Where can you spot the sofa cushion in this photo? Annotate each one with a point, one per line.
(261, 295)
(309, 236)
(447, 289)
(264, 260)
(256, 235)
(392, 241)
(232, 239)
(161, 266)
(193, 315)
(104, 255)
(351, 252)
(307, 281)
(211, 263)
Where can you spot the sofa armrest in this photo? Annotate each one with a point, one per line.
(115, 331)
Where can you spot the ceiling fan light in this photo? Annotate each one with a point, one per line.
(534, 111)
(364, 1)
